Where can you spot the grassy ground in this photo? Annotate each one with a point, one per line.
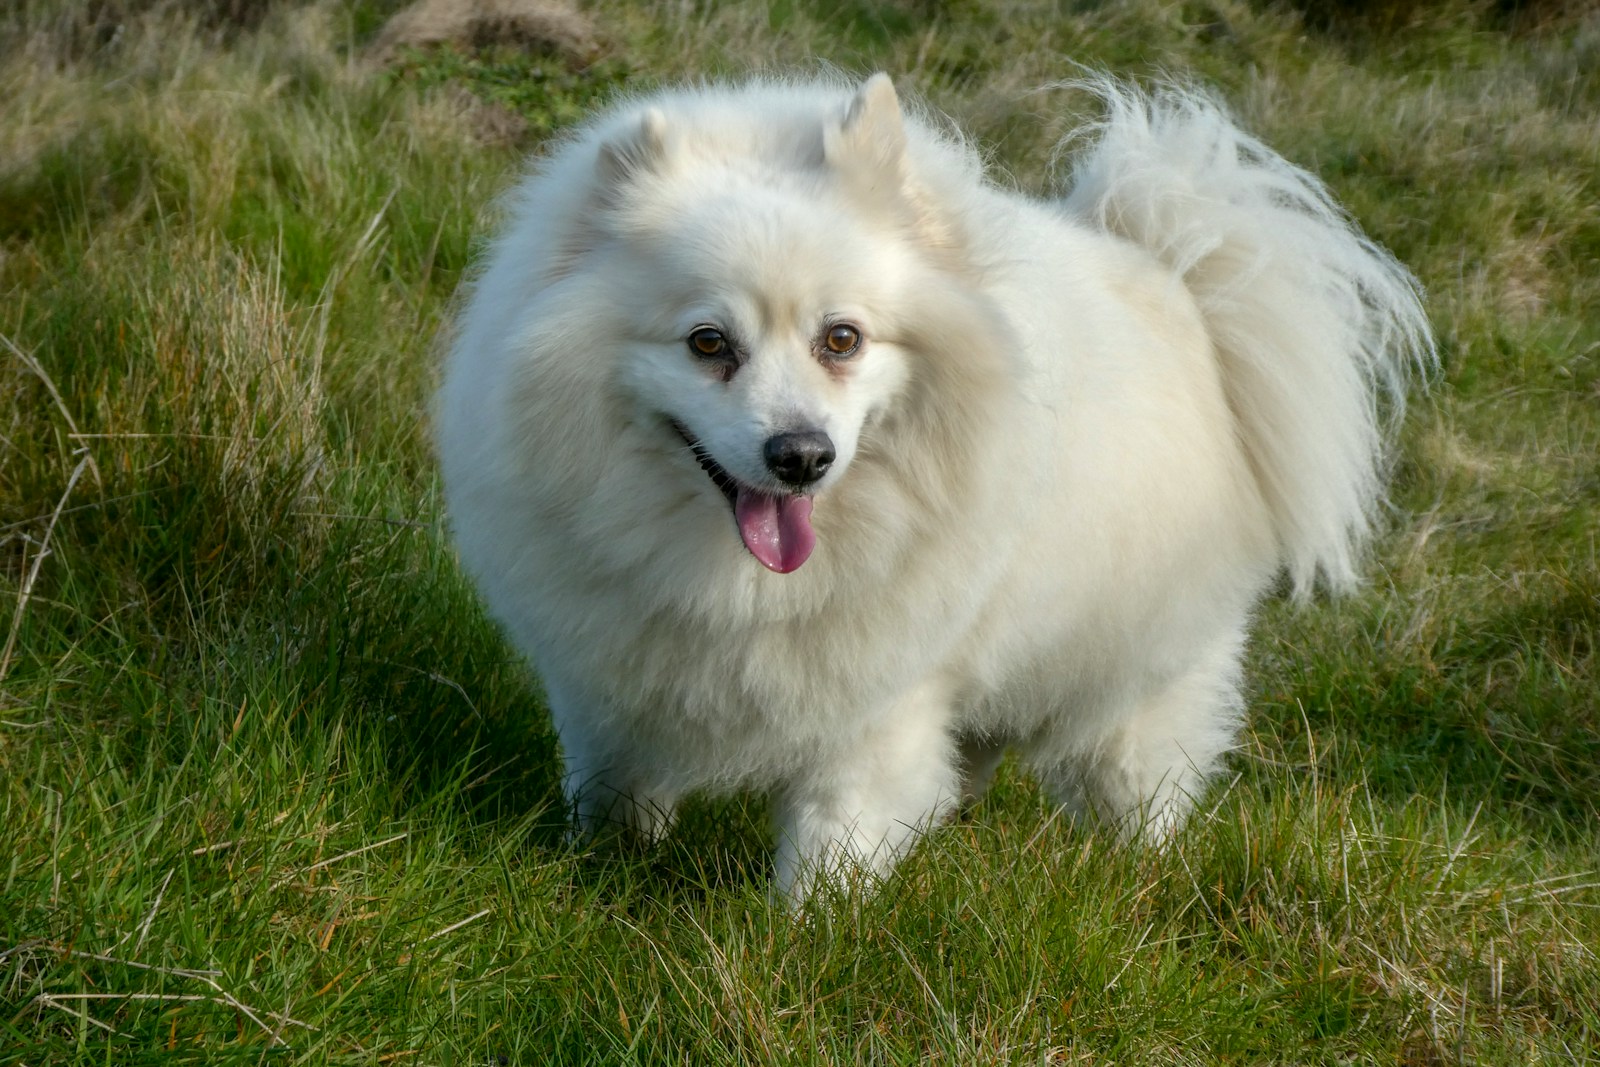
(273, 790)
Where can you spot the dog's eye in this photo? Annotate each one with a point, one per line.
(842, 339)
(709, 342)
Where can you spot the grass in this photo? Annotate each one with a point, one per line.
(272, 789)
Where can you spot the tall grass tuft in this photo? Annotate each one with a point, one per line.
(196, 389)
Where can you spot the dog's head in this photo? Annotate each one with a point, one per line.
(762, 277)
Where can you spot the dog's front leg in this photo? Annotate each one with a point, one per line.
(861, 803)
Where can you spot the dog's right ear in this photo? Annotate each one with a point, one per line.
(634, 152)
(639, 148)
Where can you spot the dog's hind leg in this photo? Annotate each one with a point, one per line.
(861, 804)
(1142, 773)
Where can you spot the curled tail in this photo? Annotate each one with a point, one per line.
(1314, 325)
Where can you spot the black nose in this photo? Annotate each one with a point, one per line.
(800, 458)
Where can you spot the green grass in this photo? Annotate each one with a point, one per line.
(272, 789)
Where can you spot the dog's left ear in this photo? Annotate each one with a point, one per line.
(867, 149)
(869, 143)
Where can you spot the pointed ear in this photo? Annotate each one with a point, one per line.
(634, 152)
(870, 141)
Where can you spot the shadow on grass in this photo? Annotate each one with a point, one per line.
(716, 846)
(460, 717)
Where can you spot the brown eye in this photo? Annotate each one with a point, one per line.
(708, 341)
(842, 339)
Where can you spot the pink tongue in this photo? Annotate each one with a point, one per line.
(776, 529)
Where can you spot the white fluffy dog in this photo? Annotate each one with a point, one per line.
(800, 456)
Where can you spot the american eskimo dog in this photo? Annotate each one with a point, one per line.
(800, 455)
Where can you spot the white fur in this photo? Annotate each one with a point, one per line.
(1081, 440)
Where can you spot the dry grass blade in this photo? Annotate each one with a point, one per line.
(62, 1000)
(43, 550)
(331, 860)
(38, 371)
(219, 995)
(453, 927)
(144, 928)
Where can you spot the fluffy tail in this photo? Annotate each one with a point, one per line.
(1314, 325)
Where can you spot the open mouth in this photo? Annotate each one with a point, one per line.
(714, 470)
(775, 527)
